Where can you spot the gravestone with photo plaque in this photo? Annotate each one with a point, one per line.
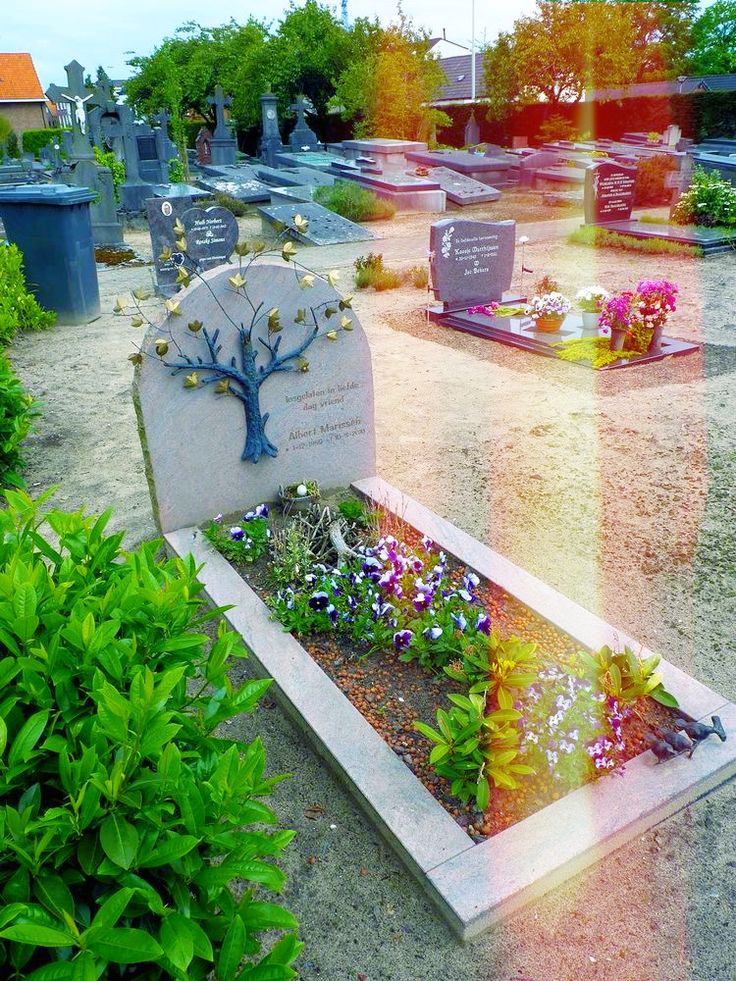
(314, 424)
(211, 236)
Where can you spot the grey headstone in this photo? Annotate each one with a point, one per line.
(609, 192)
(472, 262)
(270, 143)
(302, 137)
(211, 235)
(472, 131)
(320, 421)
(325, 227)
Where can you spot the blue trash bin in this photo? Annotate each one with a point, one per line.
(51, 225)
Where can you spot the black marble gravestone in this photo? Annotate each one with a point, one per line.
(609, 192)
(211, 235)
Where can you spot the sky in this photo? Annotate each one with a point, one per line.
(108, 34)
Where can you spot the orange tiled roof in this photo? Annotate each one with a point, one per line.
(18, 79)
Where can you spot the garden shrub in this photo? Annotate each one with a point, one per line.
(354, 202)
(419, 276)
(17, 411)
(177, 171)
(709, 201)
(557, 127)
(19, 309)
(650, 188)
(231, 204)
(12, 150)
(124, 819)
(34, 140)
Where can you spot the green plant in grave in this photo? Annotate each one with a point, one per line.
(626, 677)
(106, 158)
(124, 818)
(477, 741)
(17, 411)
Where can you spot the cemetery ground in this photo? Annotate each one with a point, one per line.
(616, 489)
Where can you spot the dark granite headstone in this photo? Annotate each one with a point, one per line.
(211, 235)
(471, 262)
(609, 192)
(203, 143)
(147, 147)
(162, 215)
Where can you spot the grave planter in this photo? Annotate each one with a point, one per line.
(590, 320)
(549, 324)
(291, 501)
(618, 338)
(656, 342)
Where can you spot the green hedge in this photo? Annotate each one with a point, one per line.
(133, 843)
(34, 140)
(19, 309)
(17, 411)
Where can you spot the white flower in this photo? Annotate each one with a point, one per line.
(523, 239)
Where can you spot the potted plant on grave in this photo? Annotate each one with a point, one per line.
(590, 300)
(548, 311)
(657, 299)
(299, 497)
(620, 315)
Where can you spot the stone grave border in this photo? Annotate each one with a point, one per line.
(474, 886)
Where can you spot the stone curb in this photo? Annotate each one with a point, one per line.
(473, 886)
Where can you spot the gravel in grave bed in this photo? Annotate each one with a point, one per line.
(392, 694)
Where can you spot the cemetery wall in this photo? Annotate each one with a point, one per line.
(698, 114)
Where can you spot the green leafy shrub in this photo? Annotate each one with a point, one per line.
(709, 201)
(125, 820)
(650, 187)
(370, 271)
(557, 127)
(626, 677)
(292, 556)
(12, 148)
(227, 201)
(34, 140)
(106, 158)
(354, 202)
(19, 309)
(177, 171)
(17, 411)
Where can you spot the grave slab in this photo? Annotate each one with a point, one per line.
(520, 332)
(486, 170)
(242, 182)
(325, 227)
(404, 191)
(463, 190)
(712, 241)
(473, 886)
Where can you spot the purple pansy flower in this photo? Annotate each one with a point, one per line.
(402, 639)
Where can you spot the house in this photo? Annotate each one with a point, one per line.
(458, 89)
(682, 85)
(22, 101)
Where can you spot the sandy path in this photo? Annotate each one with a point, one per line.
(617, 489)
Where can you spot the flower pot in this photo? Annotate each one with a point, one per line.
(590, 320)
(291, 503)
(549, 324)
(617, 339)
(656, 342)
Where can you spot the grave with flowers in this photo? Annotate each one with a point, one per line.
(474, 712)
(472, 266)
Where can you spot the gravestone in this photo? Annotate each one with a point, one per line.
(203, 143)
(318, 423)
(270, 143)
(223, 145)
(302, 137)
(609, 192)
(211, 235)
(162, 216)
(472, 131)
(240, 182)
(471, 262)
(325, 227)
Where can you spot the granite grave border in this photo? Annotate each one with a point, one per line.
(474, 886)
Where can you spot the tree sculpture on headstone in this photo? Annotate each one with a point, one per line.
(241, 376)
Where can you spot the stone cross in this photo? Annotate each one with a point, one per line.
(220, 101)
(104, 92)
(78, 94)
(130, 145)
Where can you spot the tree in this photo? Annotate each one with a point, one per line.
(714, 40)
(182, 73)
(391, 81)
(567, 47)
(307, 53)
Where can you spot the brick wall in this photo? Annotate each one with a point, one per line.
(23, 115)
